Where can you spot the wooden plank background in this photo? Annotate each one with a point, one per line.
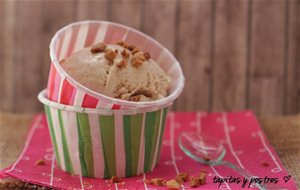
(235, 54)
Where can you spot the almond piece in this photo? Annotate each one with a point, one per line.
(265, 164)
(194, 182)
(137, 63)
(136, 50)
(147, 55)
(147, 181)
(125, 54)
(183, 175)
(140, 55)
(123, 44)
(40, 162)
(62, 61)
(202, 177)
(99, 47)
(138, 59)
(110, 55)
(157, 181)
(131, 47)
(134, 98)
(207, 158)
(179, 179)
(172, 184)
(115, 179)
(122, 64)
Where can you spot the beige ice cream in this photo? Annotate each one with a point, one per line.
(119, 71)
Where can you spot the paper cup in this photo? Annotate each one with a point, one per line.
(72, 38)
(104, 143)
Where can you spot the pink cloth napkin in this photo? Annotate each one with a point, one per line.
(246, 146)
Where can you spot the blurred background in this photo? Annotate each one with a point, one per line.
(235, 54)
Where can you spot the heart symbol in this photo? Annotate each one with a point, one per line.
(286, 178)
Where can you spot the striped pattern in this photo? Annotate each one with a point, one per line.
(132, 136)
(108, 141)
(66, 152)
(85, 145)
(162, 129)
(103, 146)
(70, 126)
(152, 124)
(120, 147)
(97, 145)
(63, 89)
(52, 133)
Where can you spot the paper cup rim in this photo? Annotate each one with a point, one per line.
(166, 100)
(42, 97)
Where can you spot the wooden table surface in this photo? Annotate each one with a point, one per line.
(283, 133)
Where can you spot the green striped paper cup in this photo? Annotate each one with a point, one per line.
(104, 143)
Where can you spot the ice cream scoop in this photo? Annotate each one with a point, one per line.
(118, 70)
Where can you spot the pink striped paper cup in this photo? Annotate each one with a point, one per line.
(103, 143)
(72, 38)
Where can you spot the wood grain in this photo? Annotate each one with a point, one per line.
(27, 54)
(8, 60)
(160, 21)
(92, 10)
(126, 12)
(231, 28)
(292, 95)
(1, 53)
(267, 60)
(193, 51)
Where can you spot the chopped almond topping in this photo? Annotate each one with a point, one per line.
(172, 184)
(123, 44)
(194, 182)
(138, 59)
(183, 175)
(122, 64)
(147, 181)
(110, 55)
(125, 54)
(179, 179)
(165, 182)
(136, 50)
(202, 177)
(40, 162)
(207, 158)
(157, 181)
(147, 55)
(120, 43)
(99, 47)
(61, 61)
(139, 56)
(131, 47)
(137, 63)
(265, 164)
(134, 98)
(115, 179)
